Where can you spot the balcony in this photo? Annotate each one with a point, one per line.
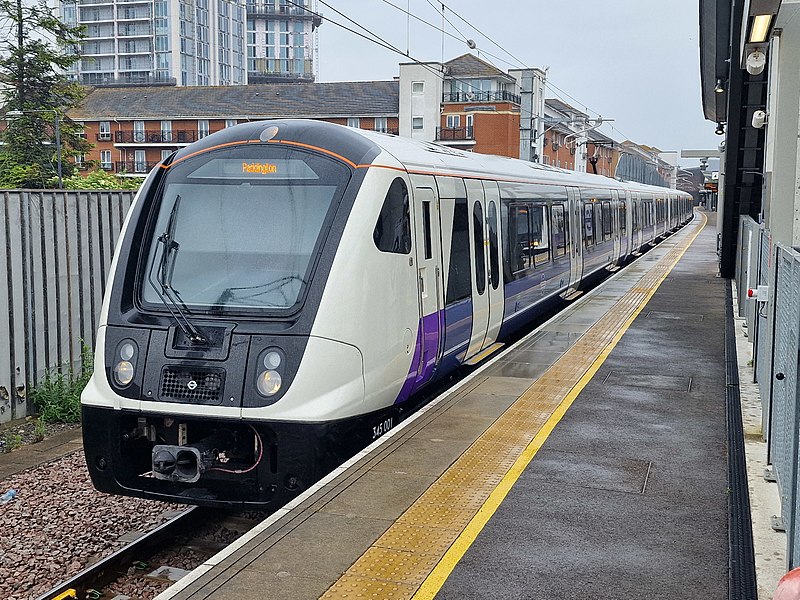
(499, 96)
(134, 167)
(455, 134)
(182, 136)
(389, 130)
(256, 9)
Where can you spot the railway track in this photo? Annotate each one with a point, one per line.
(195, 528)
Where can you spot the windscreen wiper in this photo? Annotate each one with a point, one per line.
(166, 267)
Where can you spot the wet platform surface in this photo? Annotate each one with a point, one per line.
(588, 461)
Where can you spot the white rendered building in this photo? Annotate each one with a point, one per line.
(179, 42)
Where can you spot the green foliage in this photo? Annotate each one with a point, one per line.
(101, 180)
(58, 396)
(9, 441)
(39, 429)
(33, 82)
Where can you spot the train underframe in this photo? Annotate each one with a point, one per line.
(215, 462)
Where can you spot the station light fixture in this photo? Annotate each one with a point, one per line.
(720, 130)
(759, 20)
(760, 29)
(720, 87)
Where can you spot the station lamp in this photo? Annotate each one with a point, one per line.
(720, 87)
(759, 20)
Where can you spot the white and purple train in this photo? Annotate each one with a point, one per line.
(282, 290)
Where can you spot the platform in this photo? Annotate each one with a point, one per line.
(588, 461)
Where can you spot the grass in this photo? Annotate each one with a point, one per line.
(58, 396)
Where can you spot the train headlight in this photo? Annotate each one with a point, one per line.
(125, 363)
(270, 366)
(268, 383)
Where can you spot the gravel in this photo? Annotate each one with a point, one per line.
(58, 524)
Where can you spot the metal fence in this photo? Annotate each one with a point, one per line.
(783, 431)
(774, 329)
(56, 247)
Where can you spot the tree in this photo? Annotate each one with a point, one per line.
(35, 49)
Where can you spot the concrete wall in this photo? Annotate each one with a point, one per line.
(426, 104)
(781, 199)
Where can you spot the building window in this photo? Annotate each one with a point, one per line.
(453, 120)
(202, 128)
(230, 122)
(166, 131)
(138, 131)
(165, 154)
(416, 123)
(353, 122)
(105, 131)
(105, 159)
(139, 162)
(417, 87)
(381, 124)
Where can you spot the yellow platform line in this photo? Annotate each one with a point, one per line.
(416, 555)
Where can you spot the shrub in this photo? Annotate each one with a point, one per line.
(101, 180)
(58, 395)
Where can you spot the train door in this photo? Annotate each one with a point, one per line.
(636, 222)
(493, 244)
(476, 209)
(625, 234)
(615, 226)
(427, 231)
(576, 239)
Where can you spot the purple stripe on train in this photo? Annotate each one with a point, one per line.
(424, 361)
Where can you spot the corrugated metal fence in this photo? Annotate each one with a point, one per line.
(774, 328)
(56, 247)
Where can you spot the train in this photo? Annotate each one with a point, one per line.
(283, 292)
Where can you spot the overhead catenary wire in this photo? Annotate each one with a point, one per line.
(377, 39)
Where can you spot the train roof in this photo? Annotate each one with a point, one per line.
(428, 157)
(359, 146)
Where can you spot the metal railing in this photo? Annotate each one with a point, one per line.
(271, 8)
(56, 247)
(449, 134)
(180, 136)
(138, 167)
(498, 96)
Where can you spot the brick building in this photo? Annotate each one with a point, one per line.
(465, 103)
(133, 128)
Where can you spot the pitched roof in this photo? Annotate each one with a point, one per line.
(289, 100)
(563, 107)
(469, 65)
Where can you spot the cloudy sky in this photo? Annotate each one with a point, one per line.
(634, 61)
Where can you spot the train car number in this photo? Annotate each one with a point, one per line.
(382, 427)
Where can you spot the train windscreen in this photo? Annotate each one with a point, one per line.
(236, 229)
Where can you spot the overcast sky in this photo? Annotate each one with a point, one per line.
(634, 61)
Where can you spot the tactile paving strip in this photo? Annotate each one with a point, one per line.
(400, 560)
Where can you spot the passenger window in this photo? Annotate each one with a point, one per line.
(480, 262)
(459, 281)
(588, 224)
(635, 217)
(607, 225)
(519, 238)
(623, 219)
(559, 231)
(540, 236)
(494, 254)
(393, 229)
(426, 225)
